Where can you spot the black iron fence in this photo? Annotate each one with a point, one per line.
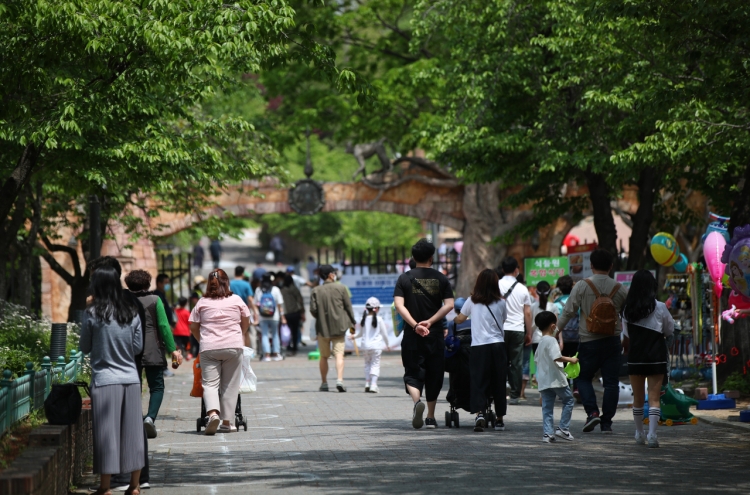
(386, 261)
(178, 267)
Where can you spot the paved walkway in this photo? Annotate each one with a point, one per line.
(303, 441)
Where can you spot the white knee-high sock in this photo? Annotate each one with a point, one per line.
(374, 380)
(638, 419)
(654, 414)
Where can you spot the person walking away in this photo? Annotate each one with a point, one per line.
(646, 323)
(219, 322)
(198, 288)
(182, 327)
(374, 338)
(543, 290)
(423, 297)
(111, 336)
(489, 363)
(198, 254)
(157, 339)
(600, 300)
(294, 310)
(312, 267)
(259, 272)
(518, 326)
(569, 334)
(553, 382)
(277, 246)
(241, 288)
(271, 308)
(162, 286)
(456, 327)
(331, 307)
(216, 251)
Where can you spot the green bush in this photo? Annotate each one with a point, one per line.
(24, 338)
(737, 381)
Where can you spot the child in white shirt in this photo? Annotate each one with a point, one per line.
(552, 380)
(374, 335)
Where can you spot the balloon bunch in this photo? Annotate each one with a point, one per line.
(736, 265)
(666, 252)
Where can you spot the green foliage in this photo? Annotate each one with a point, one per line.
(737, 381)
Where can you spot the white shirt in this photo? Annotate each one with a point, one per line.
(484, 329)
(298, 281)
(535, 310)
(514, 303)
(549, 373)
(372, 338)
(660, 320)
(278, 298)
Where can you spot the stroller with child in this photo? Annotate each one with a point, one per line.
(458, 354)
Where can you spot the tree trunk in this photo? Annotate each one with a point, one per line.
(604, 222)
(15, 183)
(78, 292)
(741, 207)
(485, 221)
(648, 186)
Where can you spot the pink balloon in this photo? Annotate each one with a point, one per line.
(713, 247)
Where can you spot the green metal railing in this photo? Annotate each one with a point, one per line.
(25, 394)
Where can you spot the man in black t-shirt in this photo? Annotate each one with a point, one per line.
(423, 297)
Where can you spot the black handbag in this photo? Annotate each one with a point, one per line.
(63, 404)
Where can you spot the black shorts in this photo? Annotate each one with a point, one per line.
(424, 368)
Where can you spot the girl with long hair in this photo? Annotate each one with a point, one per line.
(219, 321)
(489, 361)
(646, 322)
(374, 338)
(112, 336)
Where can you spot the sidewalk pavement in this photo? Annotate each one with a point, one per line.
(300, 440)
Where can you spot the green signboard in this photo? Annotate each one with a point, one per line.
(549, 269)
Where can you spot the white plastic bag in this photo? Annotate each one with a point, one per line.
(286, 335)
(249, 380)
(270, 257)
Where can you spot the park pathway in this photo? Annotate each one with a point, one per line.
(300, 440)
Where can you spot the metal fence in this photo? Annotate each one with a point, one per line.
(25, 394)
(178, 267)
(387, 260)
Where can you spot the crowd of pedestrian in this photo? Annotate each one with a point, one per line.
(130, 332)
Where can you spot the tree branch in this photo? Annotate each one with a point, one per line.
(56, 267)
(59, 248)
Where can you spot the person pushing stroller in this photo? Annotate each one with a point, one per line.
(489, 362)
(374, 337)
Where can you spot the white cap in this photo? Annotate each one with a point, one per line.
(373, 302)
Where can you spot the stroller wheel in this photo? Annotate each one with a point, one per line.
(454, 416)
(447, 419)
(198, 424)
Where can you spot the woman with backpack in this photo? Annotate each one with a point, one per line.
(270, 303)
(112, 336)
(646, 322)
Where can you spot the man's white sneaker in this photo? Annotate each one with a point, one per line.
(416, 420)
(266, 359)
(652, 441)
(640, 438)
(374, 389)
(565, 435)
(277, 357)
(548, 438)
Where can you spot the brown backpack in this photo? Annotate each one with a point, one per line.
(602, 318)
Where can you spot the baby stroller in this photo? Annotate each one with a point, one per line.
(459, 393)
(239, 419)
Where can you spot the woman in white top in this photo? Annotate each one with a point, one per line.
(270, 304)
(543, 290)
(646, 322)
(374, 335)
(489, 362)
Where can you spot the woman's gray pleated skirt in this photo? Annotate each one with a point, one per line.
(118, 428)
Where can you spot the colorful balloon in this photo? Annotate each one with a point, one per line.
(682, 264)
(736, 256)
(664, 249)
(713, 249)
(717, 223)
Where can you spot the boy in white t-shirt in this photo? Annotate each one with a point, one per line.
(552, 379)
